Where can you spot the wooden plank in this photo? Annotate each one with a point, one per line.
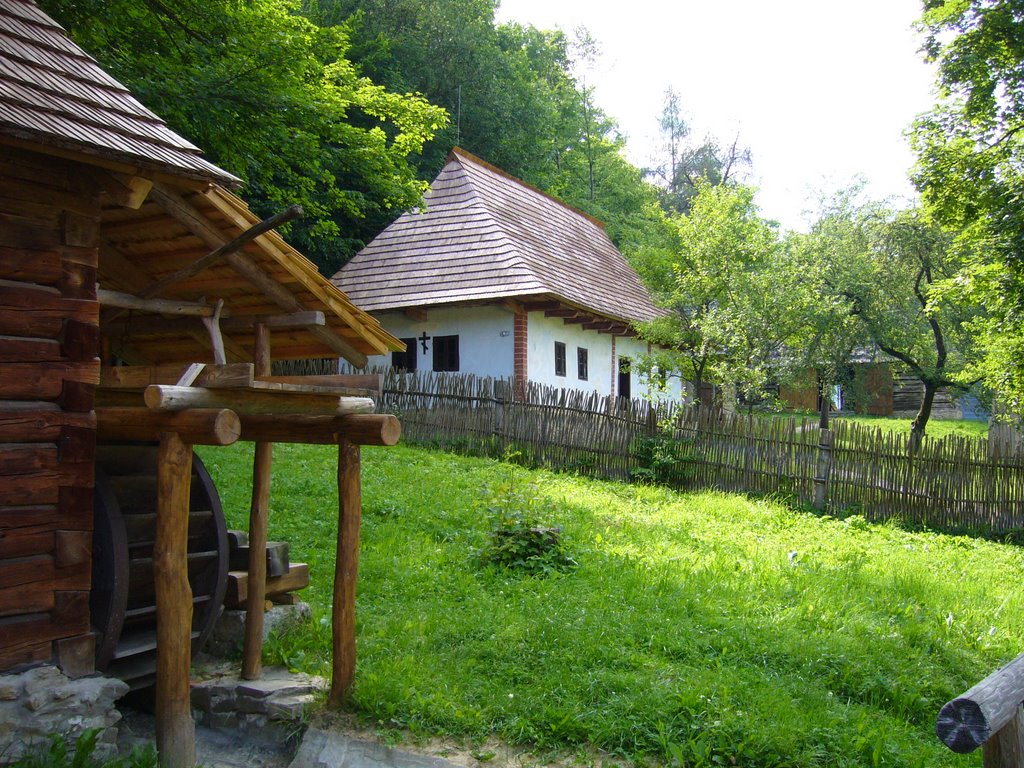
(139, 377)
(23, 349)
(362, 383)
(79, 341)
(31, 266)
(38, 568)
(37, 311)
(76, 656)
(77, 281)
(223, 251)
(72, 548)
(281, 322)
(175, 731)
(32, 652)
(238, 584)
(44, 381)
(25, 542)
(26, 458)
(200, 226)
(343, 618)
(37, 597)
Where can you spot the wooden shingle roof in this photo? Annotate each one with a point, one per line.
(53, 94)
(485, 235)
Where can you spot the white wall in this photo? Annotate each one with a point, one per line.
(541, 336)
(483, 350)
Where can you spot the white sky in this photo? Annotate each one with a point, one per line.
(820, 90)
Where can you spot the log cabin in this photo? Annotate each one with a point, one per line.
(141, 300)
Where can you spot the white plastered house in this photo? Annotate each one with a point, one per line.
(495, 278)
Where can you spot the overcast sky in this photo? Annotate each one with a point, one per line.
(819, 90)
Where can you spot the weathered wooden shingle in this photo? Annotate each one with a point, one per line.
(53, 94)
(486, 235)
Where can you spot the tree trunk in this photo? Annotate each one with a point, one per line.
(923, 414)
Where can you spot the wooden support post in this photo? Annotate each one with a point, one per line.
(252, 663)
(1006, 747)
(175, 731)
(343, 625)
(980, 715)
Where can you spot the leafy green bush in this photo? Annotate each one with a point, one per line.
(520, 537)
(663, 460)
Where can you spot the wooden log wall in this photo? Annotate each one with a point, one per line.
(49, 367)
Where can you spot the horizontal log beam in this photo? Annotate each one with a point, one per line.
(156, 306)
(163, 397)
(141, 376)
(369, 382)
(967, 722)
(197, 427)
(360, 429)
(282, 322)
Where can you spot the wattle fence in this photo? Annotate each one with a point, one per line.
(952, 484)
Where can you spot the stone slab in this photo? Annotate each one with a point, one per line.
(330, 749)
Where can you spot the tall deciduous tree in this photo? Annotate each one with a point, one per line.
(886, 270)
(274, 99)
(685, 164)
(971, 169)
(733, 294)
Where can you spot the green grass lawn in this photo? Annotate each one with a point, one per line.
(701, 629)
(936, 428)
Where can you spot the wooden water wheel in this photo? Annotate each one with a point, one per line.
(122, 601)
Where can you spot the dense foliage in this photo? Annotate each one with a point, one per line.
(971, 169)
(274, 99)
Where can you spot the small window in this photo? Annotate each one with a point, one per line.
(625, 388)
(581, 363)
(446, 353)
(405, 361)
(559, 358)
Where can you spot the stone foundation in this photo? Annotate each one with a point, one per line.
(42, 701)
(274, 707)
(229, 632)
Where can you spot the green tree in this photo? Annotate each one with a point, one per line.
(885, 270)
(733, 293)
(685, 164)
(272, 98)
(970, 170)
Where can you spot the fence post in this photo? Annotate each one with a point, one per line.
(824, 469)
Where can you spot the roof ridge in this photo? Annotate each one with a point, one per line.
(477, 202)
(460, 152)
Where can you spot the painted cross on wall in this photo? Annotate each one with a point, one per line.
(423, 342)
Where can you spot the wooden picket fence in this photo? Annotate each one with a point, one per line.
(953, 484)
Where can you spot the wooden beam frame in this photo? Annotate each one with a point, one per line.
(156, 306)
(175, 731)
(232, 246)
(189, 217)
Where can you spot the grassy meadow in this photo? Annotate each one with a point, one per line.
(696, 629)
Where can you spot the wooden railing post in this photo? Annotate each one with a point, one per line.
(252, 662)
(343, 625)
(1006, 747)
(175, 731)
(988, 714)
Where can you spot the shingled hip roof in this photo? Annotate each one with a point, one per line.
(52, 93)
(485, 235)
